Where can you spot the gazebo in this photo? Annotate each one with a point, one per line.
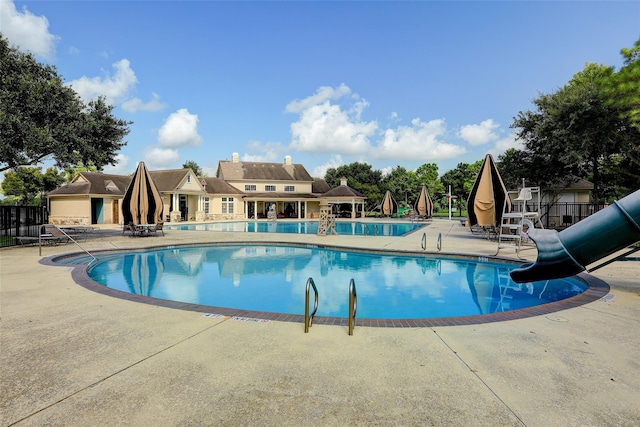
(346, 195)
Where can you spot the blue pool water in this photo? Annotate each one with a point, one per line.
(273, 279)
(304, 227)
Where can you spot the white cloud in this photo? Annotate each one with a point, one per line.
(324, 93)
(180, 129)
(136, 104)
(121, 167)
(26, 31)
(418, 142)
(161, 158)
(326, 127)
(386, 171)
(268, 152)
(321, 170)
(114, 88)
(479, 134)
(504, 144)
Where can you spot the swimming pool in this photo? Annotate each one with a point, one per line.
(305, 227)
(271, 279)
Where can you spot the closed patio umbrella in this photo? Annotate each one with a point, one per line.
(142, 203)
(388, 206)
(424, 204)
(488, 197)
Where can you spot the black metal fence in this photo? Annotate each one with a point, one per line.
(562, 215)
(20, 221)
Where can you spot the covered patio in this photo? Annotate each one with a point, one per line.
(300, 206)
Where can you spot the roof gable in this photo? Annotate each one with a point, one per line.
(344, 191)
(176, 179)
(95, 183)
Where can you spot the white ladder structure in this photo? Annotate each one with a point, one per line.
(510, 232)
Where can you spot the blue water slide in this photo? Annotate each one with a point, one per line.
(568, 252)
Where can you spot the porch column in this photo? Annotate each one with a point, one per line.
(200, 213)
(174, 215)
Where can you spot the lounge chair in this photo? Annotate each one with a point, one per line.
(158, 228)
(49, 235)
(130, 228)
(52, 232)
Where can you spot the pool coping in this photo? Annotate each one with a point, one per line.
(596, 289)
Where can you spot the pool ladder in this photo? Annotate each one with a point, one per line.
(353, 305)
(308, 316)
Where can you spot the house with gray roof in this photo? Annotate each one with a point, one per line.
(286, 187)
(241, 190)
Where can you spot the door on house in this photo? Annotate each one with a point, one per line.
(184, 209)
(97, 215)
(115, 212)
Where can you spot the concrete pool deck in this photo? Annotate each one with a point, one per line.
(73, 357)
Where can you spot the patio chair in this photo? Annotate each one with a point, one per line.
(56, 235)
(157, 228)
(128, 227)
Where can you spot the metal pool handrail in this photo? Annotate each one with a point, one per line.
(70, 238)
(308, 318)
(353, 305)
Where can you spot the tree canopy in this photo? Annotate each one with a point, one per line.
(461, 180)
(360, 177)
(622, 89)
(27, 185)
(191, 164)
(404, 185)
(578, 132)
(41, 118)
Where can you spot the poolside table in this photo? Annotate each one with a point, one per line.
(144, 229)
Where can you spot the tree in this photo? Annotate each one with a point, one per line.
(360, 177)
(574, 132)
(402, 184)
(190, 164)
(514, 166)
(41, 118)
(27, 185)
(427, 174)
(72, 170)
(622, 89)
(461, 180)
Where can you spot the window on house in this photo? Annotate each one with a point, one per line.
(249, 187)
(188, 178)
(289, 188)
(227, 205)
(269, 188)
(206, 204)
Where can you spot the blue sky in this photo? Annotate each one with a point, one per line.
(328, 83)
